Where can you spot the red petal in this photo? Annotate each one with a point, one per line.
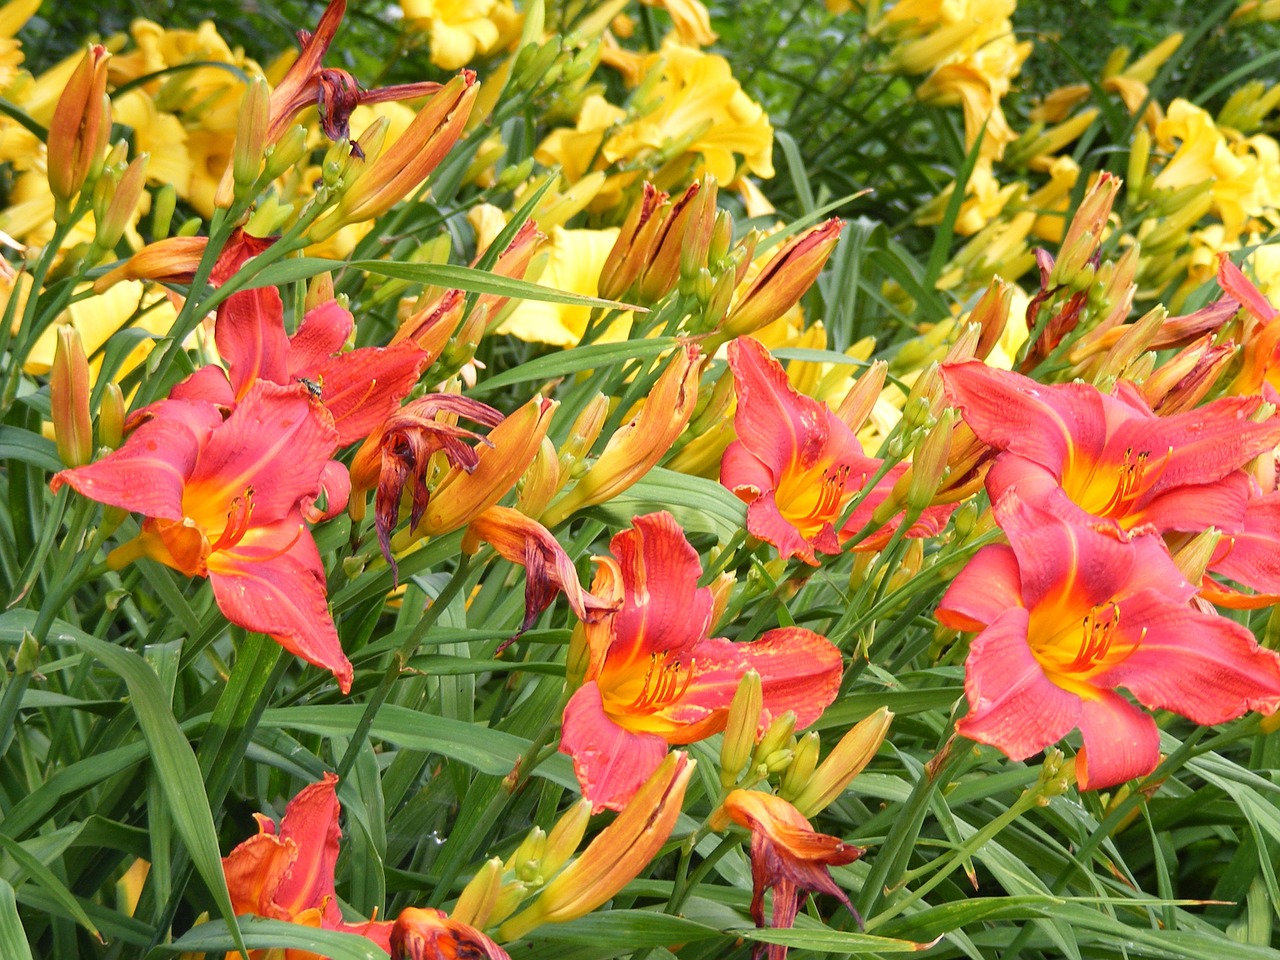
(1046, 424)
(799, 670)
(277, 442)
(148, 475)
(1253, 556)
(361, 388)
(663, 608)
(1012, 704)
(335, 484)
(988, 585)
(272, 582)
(311, 822)
(254, 871)
(782, 427)
(322, 333)
(1241, 288)
(1120, 742)
(766, 522)
(611, 762)
(1203, 666)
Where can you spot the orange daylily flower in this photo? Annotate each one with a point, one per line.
(428, 934)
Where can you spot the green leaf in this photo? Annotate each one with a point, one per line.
(44, 877)
(635, 928)
(262, 934)
(175, 765)
(13, 939)
(19, 444)
(833, 941)
(564, 362)
(698, 504)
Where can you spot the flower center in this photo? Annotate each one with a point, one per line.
(665, 681)
(807, 502)
(1087, 646)
(238, 518)
(1112, 490)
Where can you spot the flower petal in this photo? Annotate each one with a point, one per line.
(799, 671)
(1012, 704)
(780, 426)
(362, 387)
(322, 333)
(986, 587)
(611, 763)
(272, 582)
(311, 823)
(149, 473)
(1120, 742)
(1203, 666)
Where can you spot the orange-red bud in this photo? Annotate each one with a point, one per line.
(69, 396)
(784, 279)
(634, 245)
(79, 129)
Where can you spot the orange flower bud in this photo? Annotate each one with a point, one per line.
(638, 445)
(613, 858)
(634, 245)
(69, 396)
(662, 270)
(1181, 382)
(79, 129)
(433, 325)
(172, 260)
(991, 314)
(784, 279)
(388, 179)
(701, 225)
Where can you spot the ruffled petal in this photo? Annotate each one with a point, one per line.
(1012, 704)
(611, 762)
(799, 671)
(362, 387)
(272, 582)
(986, 587)
(1120, 742)
(311, 823)
(322, 333)
(780, 426)
(1203, 666)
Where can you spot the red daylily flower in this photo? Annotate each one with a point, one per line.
(288, 875)
(1084, 454)
(334, 91)
(1068, 614)
(787, 856)
(1261, 368)
(797, 465)
(655, 677)
(223, 499)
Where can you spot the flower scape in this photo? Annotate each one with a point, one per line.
(577, 479)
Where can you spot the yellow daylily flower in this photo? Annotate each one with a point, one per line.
(574, 261)
(462, 30)
(691, 20)
(13, 16)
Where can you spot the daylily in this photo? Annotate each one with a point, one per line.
(525, 541)
(428, 934)
(655, 677)
(787, 856)
(224, 499)
(334, 91)
(1084, 454)
(1068, 614)
(286, 873)
(798, 465)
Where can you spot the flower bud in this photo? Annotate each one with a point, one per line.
(662, 269)
(721, 238)
(803, 762)
(251, 134)
(583, 434)
(111, 417)
(1139, 160)
(634, 245)
(69, 397)
(861, 399)
(843, 763)
(540, 482)
(775, 738)
(565, 837)
(929, 464)
(286, 153)
(784, 279)
(616, 855)
(740, 728)
(1194, 557)
(79, 129)
(120, 208)
(479, 895)
(701, 224)
(1093, 212)
(524, 862)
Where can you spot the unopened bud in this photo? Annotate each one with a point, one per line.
(802, 765)
(287, 153)
(858, 403)
(251, 133)
(634, 245)
(162, 206)
(1194, 557)
(843, 763)
(784, 279)
(319, 290)
(740, 728)
(540, 482)
(79, 129)
(1139, 159)
(565, 837)
(120, 208)
(775, 738)
(480, 895)
(721, 239)
(528, 855)
(111, 416)
(584, 433)
(662, 270)
(697, 236)
(69, 397)
(27, 657)
(930, 462)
